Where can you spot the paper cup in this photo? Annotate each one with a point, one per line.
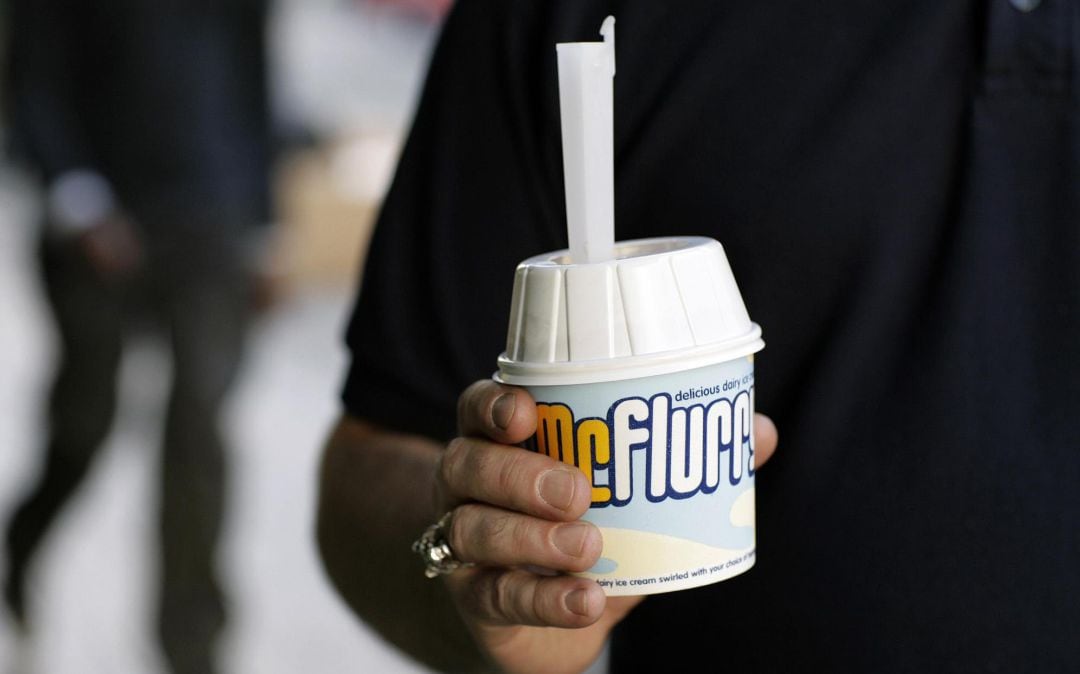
(643, 374)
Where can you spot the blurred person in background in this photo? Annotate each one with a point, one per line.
(148, 125)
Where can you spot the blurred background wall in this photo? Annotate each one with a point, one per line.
(345, 75)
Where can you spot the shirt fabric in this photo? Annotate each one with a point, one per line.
(167, 101)
(897, 186)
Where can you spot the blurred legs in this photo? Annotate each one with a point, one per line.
(89, 317)
(206, 318)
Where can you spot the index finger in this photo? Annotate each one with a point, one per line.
(505, 414)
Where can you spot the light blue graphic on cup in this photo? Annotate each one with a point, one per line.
(671, 461)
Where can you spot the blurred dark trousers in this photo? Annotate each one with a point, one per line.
(196, 292)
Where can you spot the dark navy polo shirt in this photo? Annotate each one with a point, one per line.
(897, 185)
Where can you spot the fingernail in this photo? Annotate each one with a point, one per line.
(503, 410)
(570, 538)
(557, 488)
(577, 602)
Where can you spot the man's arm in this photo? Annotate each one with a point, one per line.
(41, 75)
(513, 510)
(376, 496)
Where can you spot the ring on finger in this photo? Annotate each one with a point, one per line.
(433, 546)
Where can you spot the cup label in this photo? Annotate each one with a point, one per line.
(671, 462)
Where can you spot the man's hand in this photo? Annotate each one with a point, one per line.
(515, 513)
(112, 247)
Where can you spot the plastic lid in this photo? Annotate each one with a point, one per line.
(662, 305)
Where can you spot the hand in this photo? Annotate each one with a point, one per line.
(267, 289)
(262, 247)
(516, 512)
(112, 247)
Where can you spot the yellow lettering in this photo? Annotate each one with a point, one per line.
(593, 444)
(555, 431)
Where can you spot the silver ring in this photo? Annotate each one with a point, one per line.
(433, 546)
